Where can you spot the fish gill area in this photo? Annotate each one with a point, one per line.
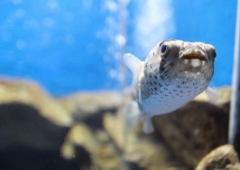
(87, 131)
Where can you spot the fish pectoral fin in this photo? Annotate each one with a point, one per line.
(133, 114)
(212, 95)
(132, 62)
(147, 125)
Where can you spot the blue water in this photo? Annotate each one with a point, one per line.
(70, 46)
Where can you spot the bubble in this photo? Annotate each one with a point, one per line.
(113, 73)
(21, 45)
(20, 13)
(69, 39)
(6, 36)
(53, 5)
(48, 22)
(16, 2)
(111, 6)
(91, 48)
(120, 39)
(99, 34)
(45, 38)
(68, 16)
(109, 20)
(117, 56)
(87, 3)
(33, 24)
(125, 2)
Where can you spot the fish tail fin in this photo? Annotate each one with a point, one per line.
(133, 114)
(212, 95)
(148, 126)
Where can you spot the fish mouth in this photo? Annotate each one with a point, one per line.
(193, 58)
(193, 61)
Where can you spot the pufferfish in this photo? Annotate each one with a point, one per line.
(173, 73)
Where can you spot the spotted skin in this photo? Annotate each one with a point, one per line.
(166, 84)
(173, 73)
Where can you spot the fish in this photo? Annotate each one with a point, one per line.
(173, 73)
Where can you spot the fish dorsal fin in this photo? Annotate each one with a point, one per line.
(212, 95)
(132, 62)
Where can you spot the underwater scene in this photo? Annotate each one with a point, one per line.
(119, 85)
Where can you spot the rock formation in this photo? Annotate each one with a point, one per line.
(87, 130)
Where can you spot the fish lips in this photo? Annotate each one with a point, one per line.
(193, 53)
(193, 59)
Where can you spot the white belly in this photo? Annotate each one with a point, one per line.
(169, 100)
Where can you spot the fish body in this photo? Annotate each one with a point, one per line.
(173, 73)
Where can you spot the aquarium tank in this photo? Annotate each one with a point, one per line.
(65, 89)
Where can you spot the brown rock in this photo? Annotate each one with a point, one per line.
(222, 102)
(85, 104)
(143, 150)
(29, 93)
(195, 129)
(30, 118)
(225, 96)
(221, 158)
(102, 153)
(23, 126)
(32, 127)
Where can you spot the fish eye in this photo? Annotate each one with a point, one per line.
(163, 48)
